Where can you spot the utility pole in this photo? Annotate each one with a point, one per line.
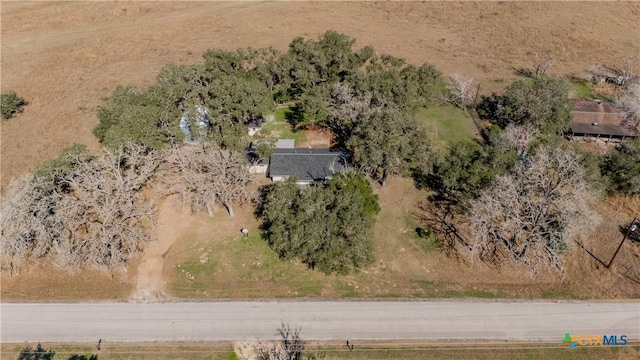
(633, 227)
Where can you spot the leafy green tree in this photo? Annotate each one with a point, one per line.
(541, 102)
(148, 118)
(11, 104)
(69, 158)
(622, 167)
(330, 59)
(236, 99)
(224, 85)
(83, 357)
(312, 107)
(223, 62)
(468, 168)
(391, 80)
(388, 141)
(183, 85)
(354, 188)
(326, 227)
(36, 353)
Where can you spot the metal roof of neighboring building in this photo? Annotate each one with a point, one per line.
(594, 117)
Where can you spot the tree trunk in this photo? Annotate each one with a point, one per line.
(229, 208)
(385, 174)
(209, 209)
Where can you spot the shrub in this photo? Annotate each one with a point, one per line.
(11, 104)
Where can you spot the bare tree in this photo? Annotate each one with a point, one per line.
(206, 173)
(515, 137)
(629, 103)
(19, 227)
(541, 64)
(344, 104)
(529, 216)
(92, 215)
(291, 342)
(462, 90)
(289, 346)
(622, 73)
(625, 70)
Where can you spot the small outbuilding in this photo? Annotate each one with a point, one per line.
(254, 126)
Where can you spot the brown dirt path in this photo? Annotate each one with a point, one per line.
(149, 281)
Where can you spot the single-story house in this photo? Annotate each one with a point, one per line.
(307, 165)
(597, 119)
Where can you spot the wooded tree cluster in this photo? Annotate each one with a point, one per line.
(40, 353)
(541, 102)
(523, 200)
(622, 168)
(328, 227)
(83, 211)
(206, 174)
(313, 76)
(529, 215)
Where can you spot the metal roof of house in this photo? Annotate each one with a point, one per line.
(307, 164)
(285, 144)
(598, 118)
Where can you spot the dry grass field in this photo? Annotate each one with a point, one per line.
(65, 59)
(363, 350)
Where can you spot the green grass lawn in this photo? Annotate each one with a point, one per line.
(281, 129)
(447, 125)
(244, 267)
(406, 265)
(582, 90)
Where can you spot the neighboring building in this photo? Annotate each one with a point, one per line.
(254, 126)
(307, 165)
(201, 122)
(600, 120)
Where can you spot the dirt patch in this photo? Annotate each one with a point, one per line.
(149, 281)
(45, 282)
(316, 139)
(201, 246)
(65, 58)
